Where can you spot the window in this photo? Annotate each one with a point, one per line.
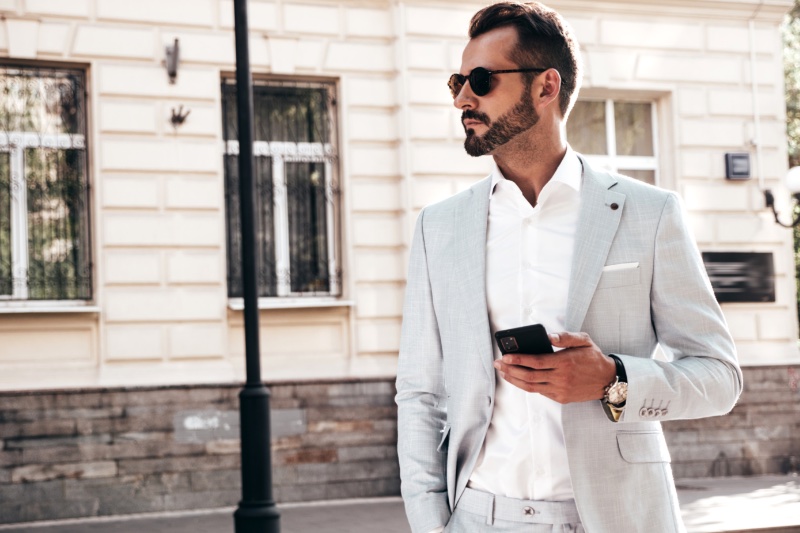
(296, 188)
(617, 135)
(45, 249)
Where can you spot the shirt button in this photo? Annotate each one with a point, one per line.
(529, 265)
(540, 471)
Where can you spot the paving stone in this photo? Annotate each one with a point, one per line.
(38, 428)
(29, 492)
(215, 480)
(367, 412)
(194, 500)
(44, 472)
(302, 456)
(24, 443)
(178, 464)
(362, 453)
(10, 458)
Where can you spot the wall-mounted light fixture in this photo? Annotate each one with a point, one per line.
(792, 182)
(171, 61)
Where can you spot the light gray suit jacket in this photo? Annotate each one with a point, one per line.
(445, 380)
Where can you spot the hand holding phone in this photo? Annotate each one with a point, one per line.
(526, 339)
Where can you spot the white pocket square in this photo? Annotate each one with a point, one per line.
(621, 266)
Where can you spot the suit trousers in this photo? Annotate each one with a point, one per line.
(481, 512)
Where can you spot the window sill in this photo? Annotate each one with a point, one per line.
(54, 307)
(237, 304)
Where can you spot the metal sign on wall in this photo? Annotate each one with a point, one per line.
(741, 276)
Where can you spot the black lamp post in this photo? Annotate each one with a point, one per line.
(256, 512)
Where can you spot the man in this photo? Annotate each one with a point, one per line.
(570, 441)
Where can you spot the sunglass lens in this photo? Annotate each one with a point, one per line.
(456, 82)
(480, 80)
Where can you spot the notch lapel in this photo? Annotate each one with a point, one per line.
(597, 225)
(470, 221)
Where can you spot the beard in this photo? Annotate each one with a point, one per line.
(521, 117)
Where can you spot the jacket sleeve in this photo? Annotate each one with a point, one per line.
(421, 400)
(703, 379)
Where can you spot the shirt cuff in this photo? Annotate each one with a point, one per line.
(437, 530)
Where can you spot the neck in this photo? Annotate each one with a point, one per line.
(530, 161)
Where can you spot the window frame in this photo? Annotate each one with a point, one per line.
(10, 143)
(613, 162)
(282, 152)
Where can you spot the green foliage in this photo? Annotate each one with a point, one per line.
(791, 69)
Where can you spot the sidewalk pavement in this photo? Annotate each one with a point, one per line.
(764, 504)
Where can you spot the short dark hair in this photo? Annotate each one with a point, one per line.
(544, 39)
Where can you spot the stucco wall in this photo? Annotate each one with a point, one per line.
(161, 313)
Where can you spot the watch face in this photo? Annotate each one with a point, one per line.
(618, 393)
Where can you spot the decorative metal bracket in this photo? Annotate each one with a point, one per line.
(178, 116)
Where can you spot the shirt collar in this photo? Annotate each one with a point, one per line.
(569, 172)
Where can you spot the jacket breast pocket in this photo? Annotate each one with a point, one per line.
(619, 278)
(643, 447)
(443, 442)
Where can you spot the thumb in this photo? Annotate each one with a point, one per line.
(566, 339)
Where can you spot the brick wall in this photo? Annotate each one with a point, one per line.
(130, 450)
(115, 451)
(760, 436)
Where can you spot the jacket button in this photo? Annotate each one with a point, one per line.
(643, 412)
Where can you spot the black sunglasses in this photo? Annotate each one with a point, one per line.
(480, 79)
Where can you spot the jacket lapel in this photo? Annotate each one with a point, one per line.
(597, 225)
(470, 222)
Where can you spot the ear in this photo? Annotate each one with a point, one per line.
(547, 88)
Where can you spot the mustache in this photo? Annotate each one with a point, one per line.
(470, 114)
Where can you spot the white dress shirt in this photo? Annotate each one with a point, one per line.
(528, 262)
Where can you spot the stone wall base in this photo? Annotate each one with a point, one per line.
(78, 453)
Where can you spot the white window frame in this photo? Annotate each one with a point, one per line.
(611, 160)
(15, 144)
(290, 152)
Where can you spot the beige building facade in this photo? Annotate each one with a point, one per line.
(356, 115)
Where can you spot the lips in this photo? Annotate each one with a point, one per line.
(472, 123)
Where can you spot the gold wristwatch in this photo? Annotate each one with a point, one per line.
(616, 394)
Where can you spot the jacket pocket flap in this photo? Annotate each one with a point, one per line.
(443, 442)
(619, 278)
(650, 447)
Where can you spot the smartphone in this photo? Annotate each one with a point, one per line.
(526, 339)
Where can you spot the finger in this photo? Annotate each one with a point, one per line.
(535, 362)
(525, 385)
(524, 373)
(567, 339)
(526, 360)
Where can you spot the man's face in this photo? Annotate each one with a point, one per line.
(490, 121)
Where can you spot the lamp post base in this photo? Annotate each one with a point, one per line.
(256, 517)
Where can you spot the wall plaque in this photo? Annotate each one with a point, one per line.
(741, 276)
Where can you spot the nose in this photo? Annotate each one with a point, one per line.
(465, 99)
